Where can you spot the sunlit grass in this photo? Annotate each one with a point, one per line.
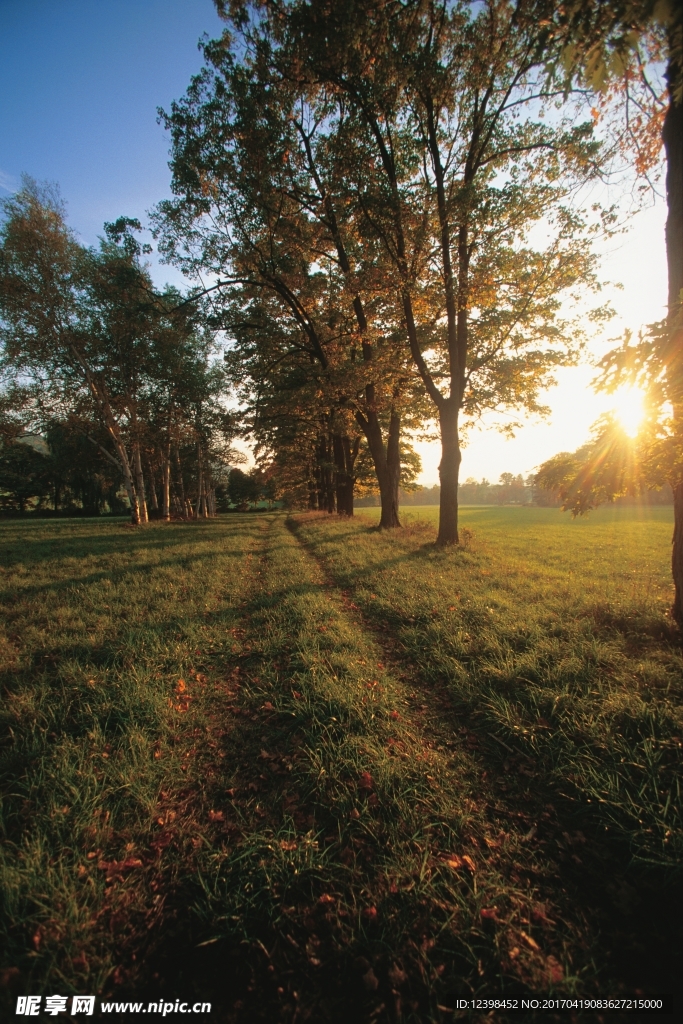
(296, 762)
(555, 633)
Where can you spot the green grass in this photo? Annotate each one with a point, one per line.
(558, 638)
(311, 770)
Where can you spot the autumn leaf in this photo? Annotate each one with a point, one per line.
(288, 844)
(555, 969)
(539, 916)
(490, 913)
(370, 980)
(130, 863)
(370, 913)
(531, 943)
(180, 686)
(216, 815)
(366, 781)
(326, 898)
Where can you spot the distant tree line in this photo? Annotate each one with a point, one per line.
(118, 385)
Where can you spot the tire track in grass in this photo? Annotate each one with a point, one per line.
(352, 876)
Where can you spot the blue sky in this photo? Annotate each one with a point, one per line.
(80, 82)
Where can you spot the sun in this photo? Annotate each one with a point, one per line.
(629, 408)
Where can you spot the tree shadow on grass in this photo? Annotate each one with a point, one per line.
(622, 911)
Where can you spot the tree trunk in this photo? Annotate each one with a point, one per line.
(387, 463)
(139, 484)
(201, 490)
(166, 485)
(449, 470)
(672, 135)
(312, 490)
(345, 453)
(389, 494)
(152, 487)
(184, 503)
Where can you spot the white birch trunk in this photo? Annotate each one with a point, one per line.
(140, 482)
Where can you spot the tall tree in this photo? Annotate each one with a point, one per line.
(449, 165)
(257, 206)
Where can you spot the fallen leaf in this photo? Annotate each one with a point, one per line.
(288, 844)
(180, 685)
(370, 980)
(555, 969)
(467, 860)
(539, 916)
(355, 814)
(454, 862)
(531, 943)
(394, 714)
(268, 706)
(370, 913)
(130, 863)
(326, 898)
(366, 781)
(397, 976)
(216, 815)
(490, 913)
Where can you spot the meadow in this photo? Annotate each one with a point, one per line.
(311, 771)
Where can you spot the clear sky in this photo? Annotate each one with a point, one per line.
(81, 81)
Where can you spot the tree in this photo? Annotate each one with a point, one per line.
(257, 206)
(448, 165)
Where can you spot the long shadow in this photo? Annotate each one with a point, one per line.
(628, 910)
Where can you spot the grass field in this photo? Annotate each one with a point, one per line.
(309, 771)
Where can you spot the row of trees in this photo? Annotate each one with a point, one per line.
(386, 197)
(117, 377)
